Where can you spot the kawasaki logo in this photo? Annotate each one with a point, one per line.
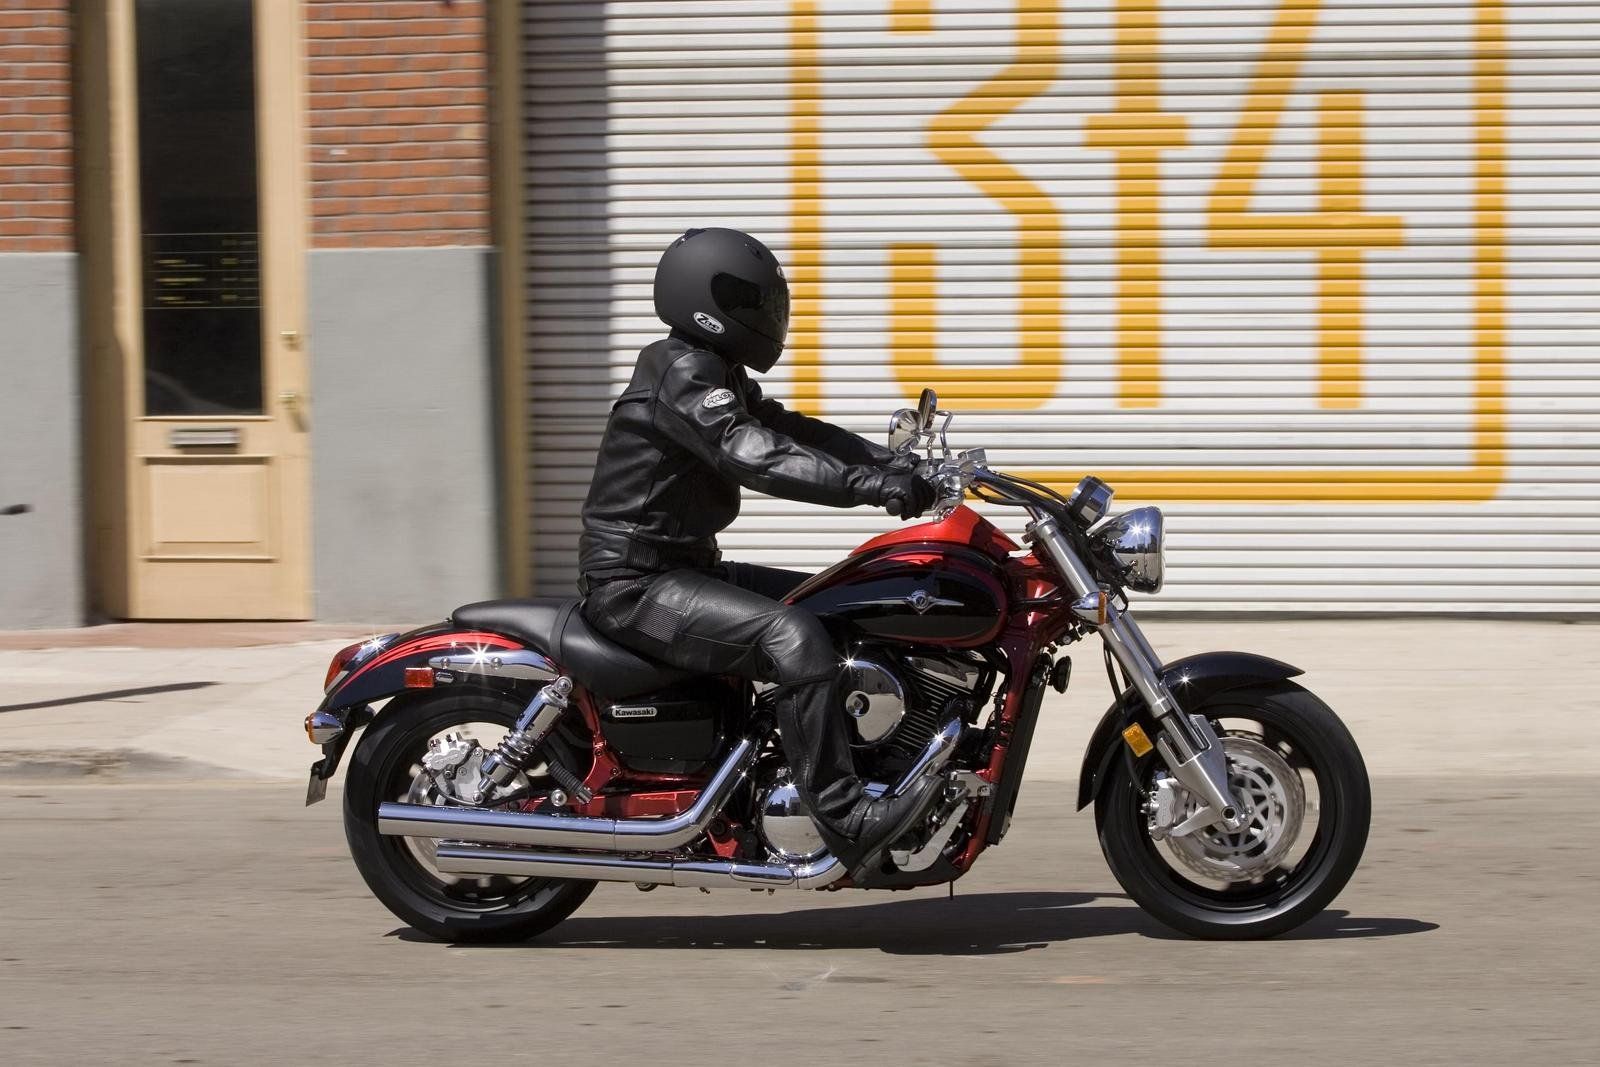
(637, 711)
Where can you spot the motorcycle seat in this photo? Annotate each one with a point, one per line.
(555, 627)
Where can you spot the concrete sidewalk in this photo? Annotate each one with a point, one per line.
(1423, 696)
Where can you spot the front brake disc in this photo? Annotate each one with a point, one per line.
(1274, 798)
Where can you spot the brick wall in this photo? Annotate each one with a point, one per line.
(399, 123)
(35, 127)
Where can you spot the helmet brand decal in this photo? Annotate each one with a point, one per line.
(706, 322)
(717, 398)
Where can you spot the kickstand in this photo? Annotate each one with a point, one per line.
(952, 886)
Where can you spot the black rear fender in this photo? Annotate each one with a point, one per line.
(1192, 680)
(382, 674)
(378, 672)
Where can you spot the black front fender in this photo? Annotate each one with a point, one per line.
(1192, 680)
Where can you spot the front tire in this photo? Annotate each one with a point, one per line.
(383, 767)
(1184, 886)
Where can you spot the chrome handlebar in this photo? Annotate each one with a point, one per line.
(952, 476)
(949, 472)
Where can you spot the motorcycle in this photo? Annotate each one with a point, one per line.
(519, 758)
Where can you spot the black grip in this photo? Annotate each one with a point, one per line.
(894, 505)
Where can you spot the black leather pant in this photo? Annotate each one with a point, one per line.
(729, 619)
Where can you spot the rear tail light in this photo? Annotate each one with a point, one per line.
(347, 658)
(340, 666)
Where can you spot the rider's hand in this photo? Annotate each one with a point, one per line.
(906, 495)
(901, 462)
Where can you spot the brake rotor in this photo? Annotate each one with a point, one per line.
(1273, 797)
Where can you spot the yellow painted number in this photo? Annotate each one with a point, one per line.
(954, 139)
(1339, 232)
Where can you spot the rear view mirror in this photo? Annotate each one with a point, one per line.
(905, 426)
(927, 408)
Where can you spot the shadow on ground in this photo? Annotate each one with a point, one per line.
(113, 694)
(977, 924)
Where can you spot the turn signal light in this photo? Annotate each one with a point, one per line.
(419, 677)
(1092, 608)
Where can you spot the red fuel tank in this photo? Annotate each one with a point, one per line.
(936, 583)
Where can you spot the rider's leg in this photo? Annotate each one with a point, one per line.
(693, 620)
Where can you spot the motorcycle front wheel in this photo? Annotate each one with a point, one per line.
(1294, 766)
(387, 765)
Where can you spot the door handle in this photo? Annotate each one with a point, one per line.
(292, 404)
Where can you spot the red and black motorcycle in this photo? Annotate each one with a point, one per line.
(518, 757)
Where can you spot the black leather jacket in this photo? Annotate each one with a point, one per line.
(689, 430)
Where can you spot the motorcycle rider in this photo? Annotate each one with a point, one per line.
(690, 430)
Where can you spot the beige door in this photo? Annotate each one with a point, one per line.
(208, 98)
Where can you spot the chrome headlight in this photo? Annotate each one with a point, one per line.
(1132, 543)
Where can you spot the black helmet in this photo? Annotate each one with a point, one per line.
(726, 289)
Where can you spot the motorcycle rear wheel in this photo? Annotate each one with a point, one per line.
(1299, 733)
(396, 869)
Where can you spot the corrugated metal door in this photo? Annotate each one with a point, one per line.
(1316, 276)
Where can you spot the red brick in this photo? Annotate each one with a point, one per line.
(399, 120)
(35, 130)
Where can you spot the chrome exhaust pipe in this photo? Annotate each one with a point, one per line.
(457, 858)
(940, 747)
(574, 831)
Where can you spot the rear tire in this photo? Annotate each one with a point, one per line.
(449, 909)
(1313, 739)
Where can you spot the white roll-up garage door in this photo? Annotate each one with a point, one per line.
(1318, 276)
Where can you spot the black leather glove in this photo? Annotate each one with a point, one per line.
(907, 495)
(903, 462)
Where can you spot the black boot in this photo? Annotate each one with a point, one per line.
(875, 823)
(855, 827)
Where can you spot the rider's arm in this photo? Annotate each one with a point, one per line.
(834, 440)
(696, 408)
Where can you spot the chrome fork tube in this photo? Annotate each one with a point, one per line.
(1188, 745)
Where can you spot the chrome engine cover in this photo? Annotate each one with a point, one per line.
(895, 702)
(784, 823)
(874, 698)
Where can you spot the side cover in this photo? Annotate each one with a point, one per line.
(1193, 680)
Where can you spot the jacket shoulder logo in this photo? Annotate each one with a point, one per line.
(706, 322)
(717, 398)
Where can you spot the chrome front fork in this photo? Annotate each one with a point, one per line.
(1187, 743)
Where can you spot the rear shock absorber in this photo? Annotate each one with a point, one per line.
(517, 748)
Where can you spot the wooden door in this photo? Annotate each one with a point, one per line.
(210, 219)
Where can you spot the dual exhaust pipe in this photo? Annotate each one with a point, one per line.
(473, 841)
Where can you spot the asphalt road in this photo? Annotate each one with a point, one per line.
(222, 923)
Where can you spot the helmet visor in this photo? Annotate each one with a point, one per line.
(764, 309)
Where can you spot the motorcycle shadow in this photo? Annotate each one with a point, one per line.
(975, 924)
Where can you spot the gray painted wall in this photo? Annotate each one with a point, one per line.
(402, 432)
(41, 558)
